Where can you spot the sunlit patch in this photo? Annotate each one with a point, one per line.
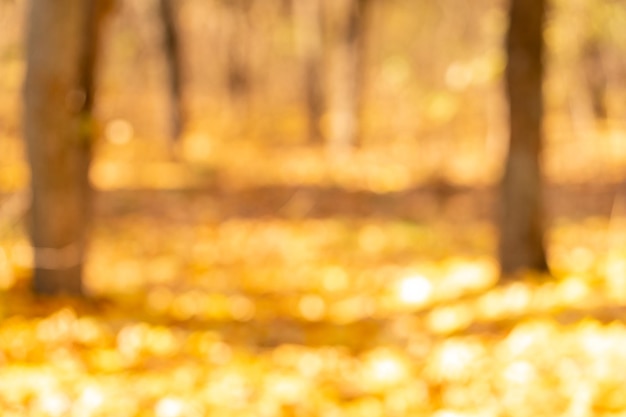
(160, 299)
(384, 367)
(87, 330)
(414, 290)
(22, 255)
(188, 305)
(615, 271)
(352, 309)
(366, 407)
(287, 389)
(372, 239)
(470, 275)
(119, 131)
(130, 340)
(572, 290)
(220, 353)
(455, 360)
(312, 307)
(449, 319)
(54, 404)
(594, 342)
(161, 341)
(228, 389)
(242, 308)
(7, 278)
(162, 269)
(197, 147)
(515, 298)
(58, 326)
(459, 76)
(529, 335)
(581, 259)
(91, 397)
(310, 364)
(442, 107)
(335, 279)
(169, 407)
(520, 372)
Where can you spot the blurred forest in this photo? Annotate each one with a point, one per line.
(296, 213)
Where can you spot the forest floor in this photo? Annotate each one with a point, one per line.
(256, 284)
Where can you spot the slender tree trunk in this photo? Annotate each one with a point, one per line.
(58, 99)
(309, 29)
(522, 222)
(595, 77)
(238, 60)
(171, 44)
(347, 82)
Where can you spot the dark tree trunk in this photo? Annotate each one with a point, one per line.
(348, 76)
(58, 99)
(171, 45)
(310, 32)
(522, 223)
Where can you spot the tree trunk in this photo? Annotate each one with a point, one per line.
(171, 45)
(58, 99)
(348, 75)
(238, 60)
(309, 29)
(522, 229)
(595, 77)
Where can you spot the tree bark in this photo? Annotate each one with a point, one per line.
(522, 222)
(58, 98)
(238, 61)
(171, 43)
(348, 76)
(310, 33)
(595, 77)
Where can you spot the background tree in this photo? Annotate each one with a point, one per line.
(349, 37)
(309, 26)
(171, 44)
(238, 48)
(522, 223)
(61, 56)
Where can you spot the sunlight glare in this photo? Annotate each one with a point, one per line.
(414, 290)
(520, 372)
(54, 404)
(453, 361)
(91, 397)
(384, 367)
(169, 407)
